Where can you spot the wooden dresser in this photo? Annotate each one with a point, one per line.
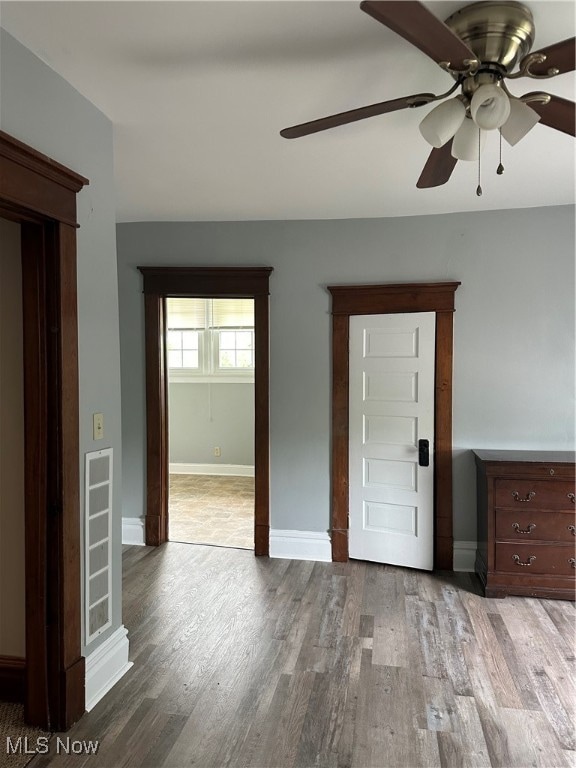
(526, 523)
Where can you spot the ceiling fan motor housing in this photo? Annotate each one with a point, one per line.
(498, 33)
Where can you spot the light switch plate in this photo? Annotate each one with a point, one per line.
(98, 426)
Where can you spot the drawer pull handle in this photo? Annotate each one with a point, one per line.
(572, 529)
(517, 528)
(572, 562)
(517, 560)
(571, 497)
(529, 496)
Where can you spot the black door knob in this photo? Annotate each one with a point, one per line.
(424, 453)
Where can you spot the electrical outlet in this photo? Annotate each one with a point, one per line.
(98, 426)
(217, 452)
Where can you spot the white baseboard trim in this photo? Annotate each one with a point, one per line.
(105, 666)
(242, 470)
(133, 531)
(300, 545)
(464, 556)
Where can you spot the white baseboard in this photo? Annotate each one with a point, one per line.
(105, 666)
(242, 470)
(133, 530)
(464, 556)
(300, 545)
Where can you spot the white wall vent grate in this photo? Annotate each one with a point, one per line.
(98, 533)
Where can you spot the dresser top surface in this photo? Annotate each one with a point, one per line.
(549, 457)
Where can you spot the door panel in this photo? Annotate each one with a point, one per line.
(391, 409)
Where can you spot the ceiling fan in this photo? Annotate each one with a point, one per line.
(479, 46)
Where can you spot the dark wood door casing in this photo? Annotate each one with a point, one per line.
(40, 194)
(202, 282)
(385, 299)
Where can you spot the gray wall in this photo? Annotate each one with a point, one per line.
(205, 415)
(43, 110)
(514, 332)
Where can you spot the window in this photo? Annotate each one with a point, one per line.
(210, 338)
(183, 348)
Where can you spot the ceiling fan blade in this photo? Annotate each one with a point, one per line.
(438, 168)
(558, 113)
(342, 118)
(415, 23)
(560, 56)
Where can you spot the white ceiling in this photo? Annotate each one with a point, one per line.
(198, 92)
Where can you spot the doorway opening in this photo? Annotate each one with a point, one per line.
(210, 356)
(160, 285)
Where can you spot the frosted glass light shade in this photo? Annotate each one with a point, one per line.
(465, 144)
(522, 119)
(490, 107)
(442, 122)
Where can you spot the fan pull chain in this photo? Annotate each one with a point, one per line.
(500, 169)
(479, 188)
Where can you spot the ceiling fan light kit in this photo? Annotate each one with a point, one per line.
(468, 141)
(522, 119)
(443, 121)
(490, 107)
(479, 46)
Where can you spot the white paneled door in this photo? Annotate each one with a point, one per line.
(391, 417)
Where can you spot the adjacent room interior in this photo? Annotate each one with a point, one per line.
(210, 354)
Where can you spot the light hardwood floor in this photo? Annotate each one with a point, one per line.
(243, 661)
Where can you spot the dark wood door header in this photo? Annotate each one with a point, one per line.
(215, 282)
(34, 182)
(380, 299)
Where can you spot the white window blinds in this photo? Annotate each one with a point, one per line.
(232, 313)
(186, 313)
(210, 313)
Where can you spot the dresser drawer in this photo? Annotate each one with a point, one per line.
(530, 525)
(536, 494)
(525, 557)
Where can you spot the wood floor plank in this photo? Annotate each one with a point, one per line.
(440, 705)
(553, 707)
(517, 669)
(456, 632)
(422, 614)
(390, 623)
(503, 685)
(465, 746)
(326, 708)
(351, 615)
(487, 707)
(542, 750)
(385, 719)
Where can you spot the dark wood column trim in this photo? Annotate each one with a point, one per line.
(443, 522)
(156, 423)
(207, 282)
(40, 194)
(261, 427)
(65, 558)
(35, 449)
(384, 299)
